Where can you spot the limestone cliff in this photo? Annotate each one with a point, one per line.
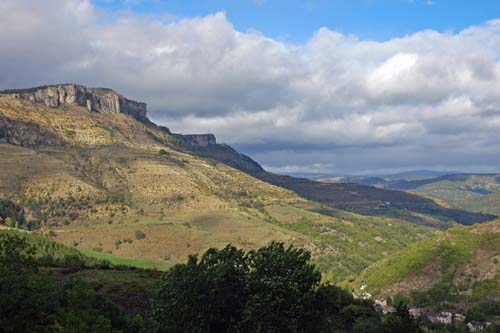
(94, 99)
(205, 145)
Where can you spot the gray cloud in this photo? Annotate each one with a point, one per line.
(337, 103)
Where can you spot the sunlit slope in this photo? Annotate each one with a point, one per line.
(121, 187)
(461, 263)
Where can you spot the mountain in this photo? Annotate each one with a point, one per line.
(473, 192)
(110, 182)
(413, 174)
(352, 197)
(457, 266)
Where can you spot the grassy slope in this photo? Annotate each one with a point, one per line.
(487, 203)
(125, 286)
(108, 180)
(463, 261)
(349, 242)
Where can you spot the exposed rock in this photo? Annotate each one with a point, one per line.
(23, 133)
(94, 99)
(205, 145)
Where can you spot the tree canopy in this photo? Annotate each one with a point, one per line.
(272, 289)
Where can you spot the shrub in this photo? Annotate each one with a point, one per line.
(10, 222)
(163, 152)
(139, 235)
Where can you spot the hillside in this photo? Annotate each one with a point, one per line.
(460, 265)
(352, 197)
(118, 186)
(472, 192)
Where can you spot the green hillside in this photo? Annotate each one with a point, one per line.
(461, 264)
(485, 203)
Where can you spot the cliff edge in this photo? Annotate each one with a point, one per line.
(94, 99)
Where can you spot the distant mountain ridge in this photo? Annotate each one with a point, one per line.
(478, 192)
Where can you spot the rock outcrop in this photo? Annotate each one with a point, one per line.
(26, 134)
(94, 99)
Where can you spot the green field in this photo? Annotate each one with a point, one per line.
(130, 262)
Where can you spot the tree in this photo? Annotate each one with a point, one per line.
(16, 254)
(401, 321)
(273, 289)
(281, 283)
(31, 301)
(206, 295)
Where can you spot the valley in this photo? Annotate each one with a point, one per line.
(116, 188)
(94, 180)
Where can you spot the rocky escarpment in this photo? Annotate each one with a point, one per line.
(94, 99)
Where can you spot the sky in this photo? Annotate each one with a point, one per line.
(317, 87)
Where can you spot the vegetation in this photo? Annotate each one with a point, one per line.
(30, 301)
(99, 177)
(139, 235)
(273, 289)
(458, 265)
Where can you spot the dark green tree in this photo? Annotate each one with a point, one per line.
(400, 321)
(273, 289)
(206, 295)
(281, 285)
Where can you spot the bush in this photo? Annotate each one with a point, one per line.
(139, 235)
(163, 152)
(10, 222)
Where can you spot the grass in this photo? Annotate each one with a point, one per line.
(346, 245)
(130, 262)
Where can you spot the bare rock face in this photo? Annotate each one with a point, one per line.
(26, 134)
(94, 99)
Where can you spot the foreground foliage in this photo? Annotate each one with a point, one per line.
(30, 301)
(273, 289)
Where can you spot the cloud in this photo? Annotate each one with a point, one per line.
(430, 99)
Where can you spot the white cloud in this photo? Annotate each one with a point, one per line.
(426, 99)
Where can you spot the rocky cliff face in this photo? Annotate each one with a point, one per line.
(94, 99)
